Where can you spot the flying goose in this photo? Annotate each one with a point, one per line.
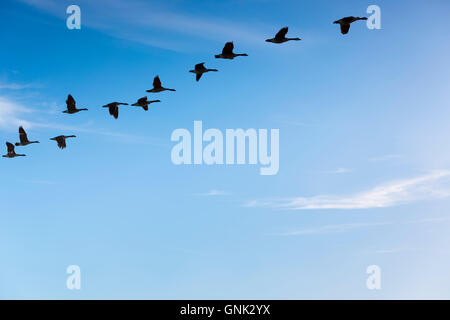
(157, 87)
(11, 152)
(200, 69)
(114, 108)
(24, 138)
(61, 140)
(143, 102)
(71, 106)
(227, 52)
(280, 37)
(345, 23)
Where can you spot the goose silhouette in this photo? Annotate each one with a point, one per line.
(144, 103)
(24, 138)
(61, 140)
(345, 23)
(200, 69)
(11, 153)
(227, 52)
(71, 106)
(114, 108)
(157, 86)
(280, 37)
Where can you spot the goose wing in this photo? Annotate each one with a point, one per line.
(61, 142)
(114, 111)
(228, 48)
(157, 82)
(10, 147)
(23, 135)
(198, 76)
(345, 27)
(142, 100)
(200, 66)
(70, 102)
(282, 33)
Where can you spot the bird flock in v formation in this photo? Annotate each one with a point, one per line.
(199, 70)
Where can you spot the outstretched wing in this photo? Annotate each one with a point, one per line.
(200, 66)
(228, 48)
(61, 142)
(10, 147)
(198, 76)
(282, 33)
(114, 111)
(70, 102)
(345, 27)
(142, 100)
(156, 82)
(22, 135)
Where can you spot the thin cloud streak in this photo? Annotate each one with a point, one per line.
(214, 192)
(11, 114)
(152, 20)
(430, 186)
(338, 228)
(17, 86)
(344, 227)
(385, 157)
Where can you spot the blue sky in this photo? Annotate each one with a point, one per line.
(364, 151)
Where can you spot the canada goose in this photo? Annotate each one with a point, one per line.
(280, 37)
(11, 152)
(143, 102)
(61, 140)
(114, 108)
(227, 52)
(24, 138)
(157, 87)
(71, 106)
(345, 23)
(200, 69)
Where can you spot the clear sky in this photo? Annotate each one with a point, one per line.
(364, 174)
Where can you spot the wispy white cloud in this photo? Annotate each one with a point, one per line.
(214, 192)
(345, 227)
(338, 228)
(385, 157)
(148, 21)
(430, 186)
(11, 114)
(17, 86)
(341, 170)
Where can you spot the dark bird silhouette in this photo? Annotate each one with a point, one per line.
(280, 37)
(345, 23)
(11, 153)
(144, 103)
(24, 138)
(227, 52)
(114, 108)
(61, 140)
(71, 106)
(200, 69)
(157, 86)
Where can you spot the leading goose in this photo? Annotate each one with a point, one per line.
(11, 153)
(24, 138)
(227, 52)
(345, 23)
(280, 37)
